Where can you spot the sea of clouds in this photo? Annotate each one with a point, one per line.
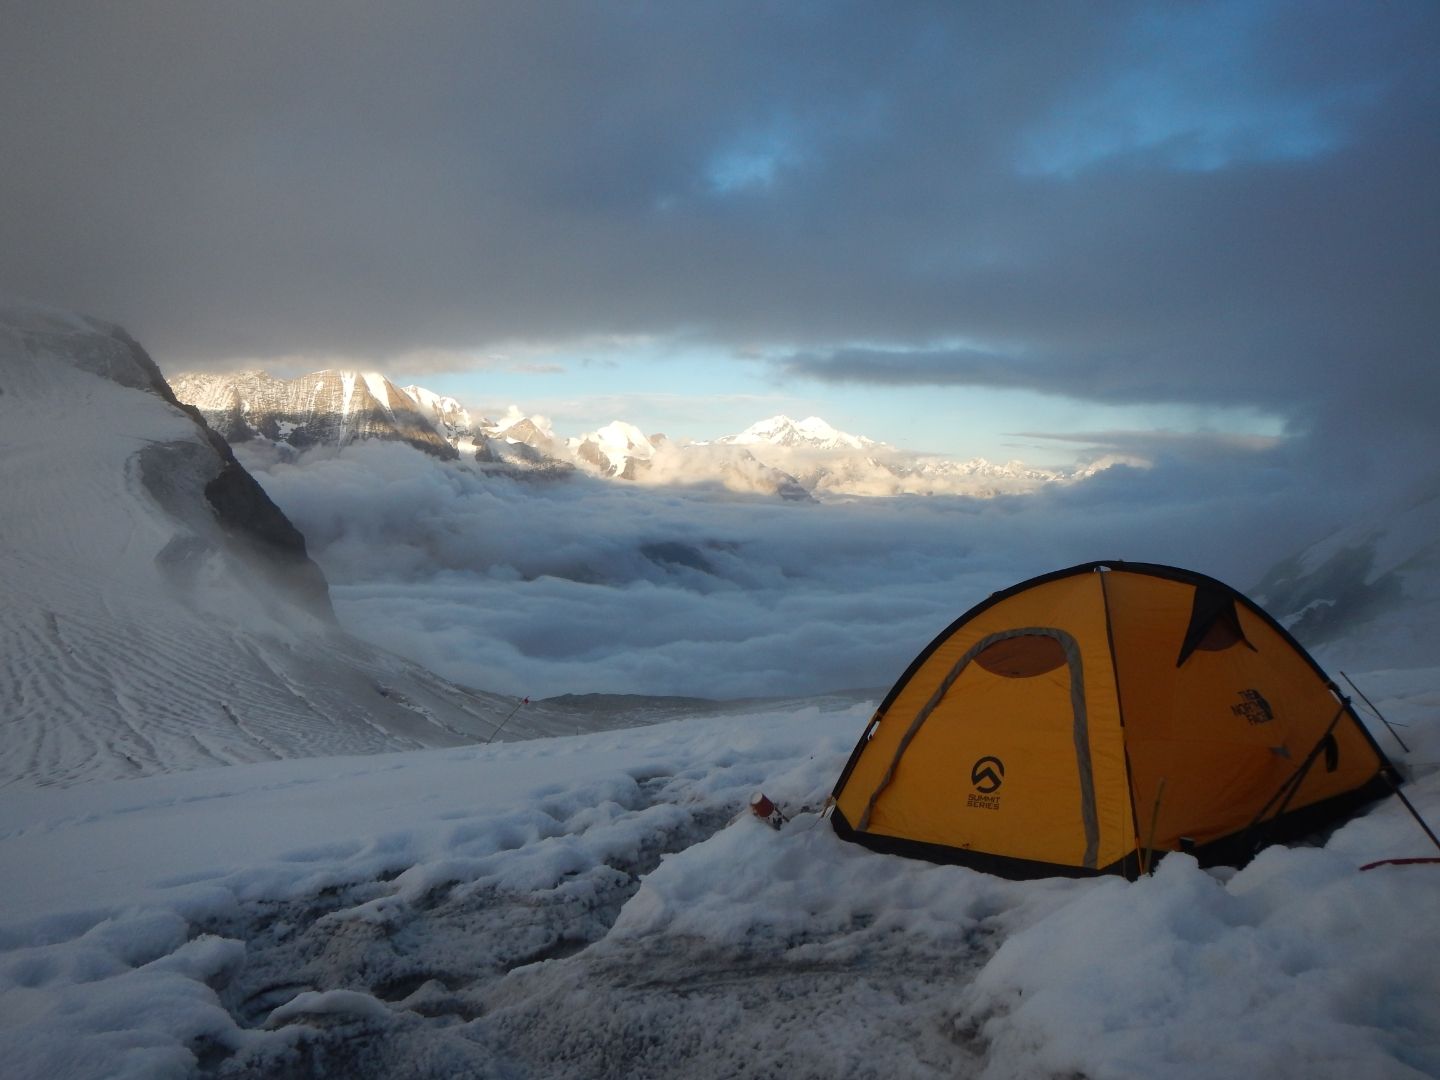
(582, 585)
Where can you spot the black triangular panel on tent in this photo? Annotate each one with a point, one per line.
(1214, 625)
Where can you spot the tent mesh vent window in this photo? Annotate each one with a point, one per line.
(1023, 657)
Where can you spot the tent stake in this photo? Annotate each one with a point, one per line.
(1388, 726)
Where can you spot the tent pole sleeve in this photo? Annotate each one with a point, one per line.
(1079, 722)
(1148, 854)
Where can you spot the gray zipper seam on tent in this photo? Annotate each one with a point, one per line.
(1081, 728)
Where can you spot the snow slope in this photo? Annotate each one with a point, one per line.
(603, 906)
(141, 630)
(1369, 593)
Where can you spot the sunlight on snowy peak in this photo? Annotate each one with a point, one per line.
(795, 460)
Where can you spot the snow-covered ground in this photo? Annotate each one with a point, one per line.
(603, 906)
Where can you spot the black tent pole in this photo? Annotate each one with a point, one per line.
(1292, 783)
(487, 742)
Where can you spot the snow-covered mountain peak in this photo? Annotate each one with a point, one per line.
(451, 419)
(519, 426)
(431, 400)
(812, 432)
(623, 436)
(617, 449)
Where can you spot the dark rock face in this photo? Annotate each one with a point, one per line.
(591, 454)
(256, 529)
(324, 408)
(1326, 601)
(259, 527)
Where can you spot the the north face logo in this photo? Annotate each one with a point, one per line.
(1253, 707)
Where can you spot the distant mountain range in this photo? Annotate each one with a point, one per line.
(323, 408)
(792, 459)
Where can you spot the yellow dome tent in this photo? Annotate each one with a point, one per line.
(1081, 722)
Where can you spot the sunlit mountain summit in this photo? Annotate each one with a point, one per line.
(812, 432)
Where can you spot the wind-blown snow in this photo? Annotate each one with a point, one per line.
(477, 912)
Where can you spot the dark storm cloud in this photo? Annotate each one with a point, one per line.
(1229, 203)
(1238, 451)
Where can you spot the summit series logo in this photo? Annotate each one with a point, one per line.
(986, 776)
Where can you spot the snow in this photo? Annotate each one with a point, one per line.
(605, 905)
(619, 442)
(812, 432)
(347, 380)
(449, 418)
(378, 386)
(596, 905)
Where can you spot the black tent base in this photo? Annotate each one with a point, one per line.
(1234, 850)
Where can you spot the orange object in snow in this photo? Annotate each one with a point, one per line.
(766, 811)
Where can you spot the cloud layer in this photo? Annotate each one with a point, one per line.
(581, 586)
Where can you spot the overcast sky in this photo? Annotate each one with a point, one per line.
(923, 219)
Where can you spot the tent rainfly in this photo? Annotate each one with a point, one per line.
(1087, 721)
